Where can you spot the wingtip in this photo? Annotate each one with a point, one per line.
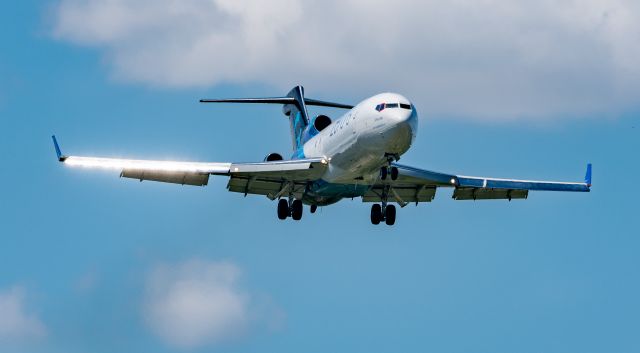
(587, 177)
(61, 157)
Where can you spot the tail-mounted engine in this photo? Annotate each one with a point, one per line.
(273, 157)
(319, 123)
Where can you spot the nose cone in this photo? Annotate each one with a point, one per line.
(402, 125)
(406, 119)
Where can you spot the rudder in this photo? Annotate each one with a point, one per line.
(298, 116)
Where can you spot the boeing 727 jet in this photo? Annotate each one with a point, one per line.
(355, 156)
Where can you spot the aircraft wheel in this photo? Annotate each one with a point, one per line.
(390, 214)
(313, 208)
(383, 173)
(376, 213)
(296, 210)
(394, 173)
(283, 209)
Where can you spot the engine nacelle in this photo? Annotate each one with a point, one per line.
(273, 157)
(320, 123)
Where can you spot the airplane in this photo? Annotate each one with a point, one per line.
(355, 156)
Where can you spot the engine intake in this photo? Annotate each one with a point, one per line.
(273, 157)
(321, 122)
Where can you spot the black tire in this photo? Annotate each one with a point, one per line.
(313, 208)
(383, 173)
(376, 213)
(394, 173)
(283, 209)
(296, 210)
(390, 215)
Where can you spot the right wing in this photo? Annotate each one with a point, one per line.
(419, 185)
(272, 179)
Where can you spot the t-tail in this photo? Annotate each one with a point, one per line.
(295, 108)
(298, 119)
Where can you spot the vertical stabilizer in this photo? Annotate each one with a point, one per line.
(298, 116)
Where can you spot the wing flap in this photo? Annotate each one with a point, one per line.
(402, 194)
(488, 194)
(294, 170)
(256, 187)
(195, 179)
(270, 188)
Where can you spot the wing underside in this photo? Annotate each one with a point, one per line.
(274, 179)
(419, 185)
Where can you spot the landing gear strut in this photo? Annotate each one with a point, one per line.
(383, 212)
(290, 208)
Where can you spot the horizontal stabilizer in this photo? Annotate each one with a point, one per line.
(278, 100)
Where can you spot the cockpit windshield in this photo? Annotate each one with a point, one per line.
(382, 106)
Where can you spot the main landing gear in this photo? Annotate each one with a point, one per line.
(383, 212)
(386, 213)
(290, 208)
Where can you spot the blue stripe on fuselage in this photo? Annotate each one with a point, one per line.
(299, 153)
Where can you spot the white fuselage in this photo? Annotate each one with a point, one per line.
(360, 142)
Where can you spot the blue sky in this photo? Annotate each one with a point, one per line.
(87, 259)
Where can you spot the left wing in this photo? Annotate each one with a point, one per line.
(419, 185)
(264, 178)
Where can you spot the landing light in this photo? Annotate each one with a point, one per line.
(453, 181)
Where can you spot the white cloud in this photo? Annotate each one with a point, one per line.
(470, 58)
(16, 324)
(196, 303)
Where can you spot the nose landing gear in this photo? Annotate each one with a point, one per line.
(391, 172)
